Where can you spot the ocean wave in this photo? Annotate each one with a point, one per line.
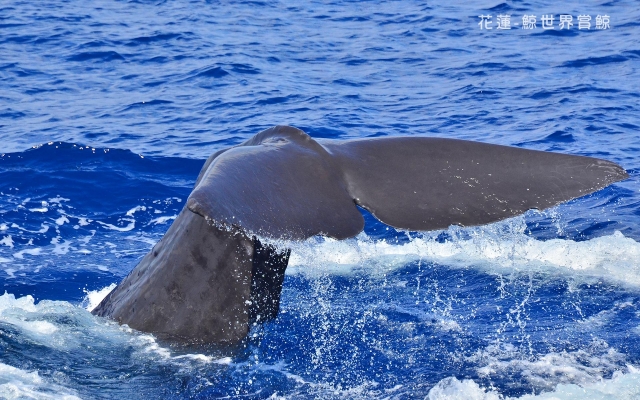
(498, 248)
(16, 383)
(624, 385)
(64, 327)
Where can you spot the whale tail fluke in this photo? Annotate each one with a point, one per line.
(284, 184)
(208, 279)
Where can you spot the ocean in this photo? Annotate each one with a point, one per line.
(108, 110)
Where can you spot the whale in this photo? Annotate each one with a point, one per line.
(214, 274)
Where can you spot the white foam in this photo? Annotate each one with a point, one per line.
(16, 383)
(451, 388)
(85, 240)
(82, 221)
(62, 220)
(162, 220)
(366, 389)
(41, 324)
(623, 385)
(136, 209)
(33, 252)
(44, 228)
(36, 327)
(499, 247)
(560, 375)
(584, 366)
(94, 297)
(8, 306)
(61, 248)
(58, 200)
(224, 360)
(151, 348)
(129, 227)
(8, 302)
(197, 357)
(7, 241)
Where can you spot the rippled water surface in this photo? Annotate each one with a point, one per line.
(108, 110)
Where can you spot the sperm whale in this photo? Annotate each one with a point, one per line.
(210, 277)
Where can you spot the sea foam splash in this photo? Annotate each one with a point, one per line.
(501, 247)
(16, 383)
(62, 326)
(94, 297)
(622, 386)
(494, 249)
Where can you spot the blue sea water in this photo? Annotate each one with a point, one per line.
(108, 110)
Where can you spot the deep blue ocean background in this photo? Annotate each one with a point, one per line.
(108, 110)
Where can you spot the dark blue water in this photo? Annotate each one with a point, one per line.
(108, 110)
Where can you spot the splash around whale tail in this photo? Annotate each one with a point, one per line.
(207, 279)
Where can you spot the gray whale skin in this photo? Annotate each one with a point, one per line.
(210, 278)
